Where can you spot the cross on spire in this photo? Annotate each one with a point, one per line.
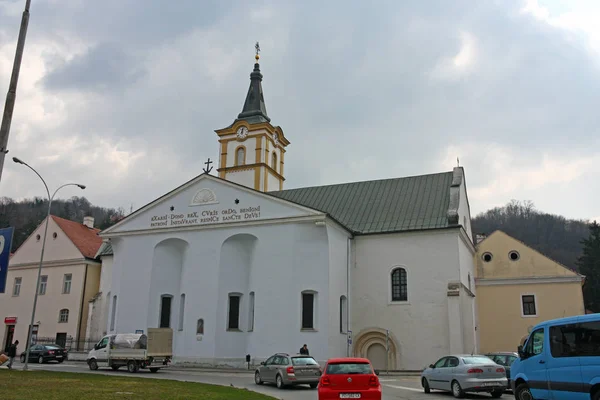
(257, 49)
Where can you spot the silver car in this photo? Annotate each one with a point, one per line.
(285, 370)
(462, 374)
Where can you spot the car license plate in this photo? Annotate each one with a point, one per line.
(349, 395)
(58, 356)
(490, 384)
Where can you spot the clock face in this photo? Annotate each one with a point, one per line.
(242, 132)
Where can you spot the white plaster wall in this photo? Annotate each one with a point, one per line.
(421, 324)
(99, 310)
(272, 182)
(245, 178)
(249, 144)
(290, 258)
(58, 249)
(338, 259)
(463, 209)
(467, 268)
(468, 328)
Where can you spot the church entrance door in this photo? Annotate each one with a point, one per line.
(377, 355)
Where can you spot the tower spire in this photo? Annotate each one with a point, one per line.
(254, 110)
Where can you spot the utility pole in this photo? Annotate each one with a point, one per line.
(12, 88)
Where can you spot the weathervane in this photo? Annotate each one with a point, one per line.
(208, 167)
(257, 48)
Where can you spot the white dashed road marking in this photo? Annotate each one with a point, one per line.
(404, 388)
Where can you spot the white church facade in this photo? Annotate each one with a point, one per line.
(236, 265)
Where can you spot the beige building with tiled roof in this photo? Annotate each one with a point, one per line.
(70, 278)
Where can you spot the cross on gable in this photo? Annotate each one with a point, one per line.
(208, 167)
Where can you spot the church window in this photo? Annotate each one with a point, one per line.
(181, 311)
(233, 317)
(274, 161)
(251, 313)
(165, 311)
(240, 156)
(308, 310)
(399, 285)
(343, 313)
(113, 313)
(487, 257)
(514, 255)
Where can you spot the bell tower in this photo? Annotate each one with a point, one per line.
(252, 149)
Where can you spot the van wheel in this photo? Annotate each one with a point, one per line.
(522, 392)
(114, 367)
(596, 395)
(132, 367)
(426, 387)
(153, 370)
(457, 390)
(93, 365)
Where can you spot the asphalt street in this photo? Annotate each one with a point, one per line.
(394, 387)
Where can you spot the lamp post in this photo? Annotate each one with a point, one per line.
(37, 286)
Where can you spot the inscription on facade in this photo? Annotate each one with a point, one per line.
(213, 216)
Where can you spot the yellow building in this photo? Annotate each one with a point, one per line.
(518, 287)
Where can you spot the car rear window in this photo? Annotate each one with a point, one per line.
(300, 361)
(477, 360)
(53, 347)
(349, 368)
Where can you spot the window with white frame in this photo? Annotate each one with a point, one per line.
(67, 283)
(528, 304)
(17, 286)
(63, 316)
(43, 284)
(308, 309)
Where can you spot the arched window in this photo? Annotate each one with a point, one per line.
(240, 156)
(399, 285)
(63, 316)
(274, 161)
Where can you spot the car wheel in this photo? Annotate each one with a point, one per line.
(497, 394)
(314, 385)
(279, 382)
(257, 378)
(457, 390)
(40, 360)
(93, 365)
(426, 387)
(23, 358)
(522, 392)
(60, 361)
(154, 370)
(132, 367)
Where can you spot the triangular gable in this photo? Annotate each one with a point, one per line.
(531, 263)
(208, 200)
(57, 249)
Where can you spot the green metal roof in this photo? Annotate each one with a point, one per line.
(389, 205)
(105, 250)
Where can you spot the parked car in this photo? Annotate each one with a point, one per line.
(349, 378)
(285, 370)
(560, 360)
(43, 353)
(462, 374)
(505, 359)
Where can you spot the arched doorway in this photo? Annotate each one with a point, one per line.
(376, 354)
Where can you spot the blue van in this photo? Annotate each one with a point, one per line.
(560, 360)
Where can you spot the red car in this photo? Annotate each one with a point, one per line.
(349, 378)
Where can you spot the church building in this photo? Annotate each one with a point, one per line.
(236, 265)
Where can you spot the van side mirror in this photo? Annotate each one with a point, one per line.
(521, 352)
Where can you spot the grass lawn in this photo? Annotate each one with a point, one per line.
(31, 385)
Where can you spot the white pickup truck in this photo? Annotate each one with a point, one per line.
(133, 350)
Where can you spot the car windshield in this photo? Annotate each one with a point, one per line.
(300, 361)
(349, 368)
(477, 360)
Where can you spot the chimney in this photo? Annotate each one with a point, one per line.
(89, 222)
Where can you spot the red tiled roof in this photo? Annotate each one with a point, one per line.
(85, 239)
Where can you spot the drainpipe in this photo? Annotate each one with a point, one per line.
(81, 307)
(348, 258)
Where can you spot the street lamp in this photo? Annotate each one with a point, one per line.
(37, 286)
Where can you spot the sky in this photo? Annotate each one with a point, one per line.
(124, 95)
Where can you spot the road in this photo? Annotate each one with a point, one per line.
(394, 387)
